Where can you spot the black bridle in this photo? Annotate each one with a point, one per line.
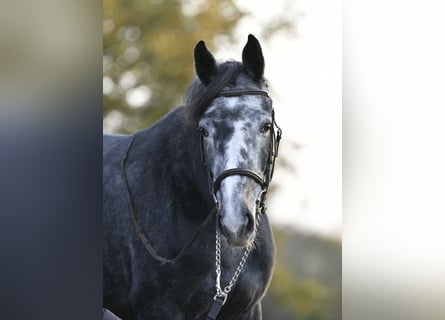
(262, 179)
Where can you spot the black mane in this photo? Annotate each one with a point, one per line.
(199, 96)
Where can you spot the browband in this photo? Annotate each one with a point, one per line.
(236, 93)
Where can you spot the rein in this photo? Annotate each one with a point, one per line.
(139, 230)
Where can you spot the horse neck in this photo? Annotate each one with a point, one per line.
(183, 144)
(179, 156)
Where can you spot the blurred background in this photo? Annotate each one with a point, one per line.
(393, 72)
(148, 65)
(393, 160)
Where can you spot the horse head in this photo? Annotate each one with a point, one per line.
(237, 125)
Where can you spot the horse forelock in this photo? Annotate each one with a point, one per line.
(199, 97)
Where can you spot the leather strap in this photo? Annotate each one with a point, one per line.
(238, 172)
(237, 93)
(139, 230)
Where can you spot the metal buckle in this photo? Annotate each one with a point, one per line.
(222, 296)
(215, 200)
(260, 202)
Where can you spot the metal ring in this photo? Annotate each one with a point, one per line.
(222, 296)
(260, 200)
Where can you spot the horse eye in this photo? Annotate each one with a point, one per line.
(266, 127)
(204, 132)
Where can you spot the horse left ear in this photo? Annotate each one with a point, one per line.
(253, 58)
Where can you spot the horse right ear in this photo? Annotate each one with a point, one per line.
(205, 64)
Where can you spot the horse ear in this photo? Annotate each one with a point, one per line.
(205, 64)
(253, 58)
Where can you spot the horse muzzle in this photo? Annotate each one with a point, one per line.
(238, 228)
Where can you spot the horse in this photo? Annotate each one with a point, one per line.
(185, 230)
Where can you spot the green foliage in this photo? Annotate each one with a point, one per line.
(306, 283)
(148, 53)
(306, 298)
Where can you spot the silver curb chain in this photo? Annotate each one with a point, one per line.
(223, 293)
